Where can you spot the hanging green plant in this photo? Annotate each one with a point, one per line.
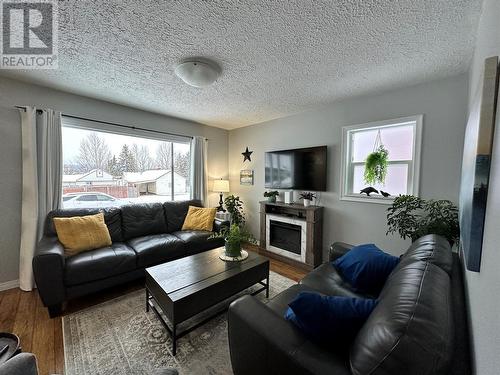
(376, 163)
(376, 166)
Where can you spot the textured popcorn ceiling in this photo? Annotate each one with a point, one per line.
(278, 57)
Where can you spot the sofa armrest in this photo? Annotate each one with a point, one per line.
(337, 249)
(48, 268)
(23, 363)
(262, 342)
(219, 224)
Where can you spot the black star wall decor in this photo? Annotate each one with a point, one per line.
(246, 155)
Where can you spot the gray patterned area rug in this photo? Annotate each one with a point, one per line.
(119, 337)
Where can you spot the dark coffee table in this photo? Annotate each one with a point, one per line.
(188, 286)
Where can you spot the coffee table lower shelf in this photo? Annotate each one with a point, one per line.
(173, 331)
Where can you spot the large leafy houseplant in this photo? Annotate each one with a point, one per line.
(376, 166)
(234, 206)
(413, 217)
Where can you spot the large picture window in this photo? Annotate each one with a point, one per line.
(402, 138)
(110, 169)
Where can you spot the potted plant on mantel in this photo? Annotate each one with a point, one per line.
(413, 217)
(307, 197)
(271, 196)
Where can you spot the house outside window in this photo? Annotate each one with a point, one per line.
(106, 166)
(402, 138)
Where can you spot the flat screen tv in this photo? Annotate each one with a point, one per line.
(297, 169)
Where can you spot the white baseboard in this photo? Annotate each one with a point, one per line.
(9, 285)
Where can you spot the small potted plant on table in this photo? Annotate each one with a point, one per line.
(271, 196)
(233, 237)
(307, 197)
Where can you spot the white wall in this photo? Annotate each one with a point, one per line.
(14, 92)
(484, 287)
(443, 104)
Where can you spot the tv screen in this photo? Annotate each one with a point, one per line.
(298, 169)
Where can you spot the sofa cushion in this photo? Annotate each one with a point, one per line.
(329, 319)
(157, 248)
(197, 241)
(143, 219)
(279, 303)
(411, 329)
(82, 233)
(199, 218)
(366, 267)
(327, 280)
(175, 213)
(99, 264)
(432, 248)
(112, 218)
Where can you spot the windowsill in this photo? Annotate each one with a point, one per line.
(365, 199)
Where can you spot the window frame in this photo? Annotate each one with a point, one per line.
(95, 125)
(347, 168)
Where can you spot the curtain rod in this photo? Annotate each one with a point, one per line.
(115, 124)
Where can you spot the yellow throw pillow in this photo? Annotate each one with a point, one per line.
(199, 218)
(81, 233)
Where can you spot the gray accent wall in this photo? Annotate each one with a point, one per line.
(443, 104)
(13, 92)
(484, 287)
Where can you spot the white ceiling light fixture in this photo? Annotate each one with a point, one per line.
(198, 73)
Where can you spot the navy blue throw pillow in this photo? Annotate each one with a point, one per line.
(329, 319)
(366, 268)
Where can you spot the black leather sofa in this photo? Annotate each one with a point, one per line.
(143, 235)
(419, 325)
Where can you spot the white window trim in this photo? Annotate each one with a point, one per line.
(414, 166)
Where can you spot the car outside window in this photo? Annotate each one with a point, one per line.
(104, 198)
(87, 198)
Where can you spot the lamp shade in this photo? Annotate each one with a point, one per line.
(221, 186)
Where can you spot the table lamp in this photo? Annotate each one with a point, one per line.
(221, 186)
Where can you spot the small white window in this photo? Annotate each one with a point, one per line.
(401, 138)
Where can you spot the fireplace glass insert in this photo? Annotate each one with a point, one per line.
(285, 236)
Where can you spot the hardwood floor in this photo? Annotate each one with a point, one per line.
(23, 314)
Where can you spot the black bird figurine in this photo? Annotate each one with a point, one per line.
(368, 190)
(385, 194)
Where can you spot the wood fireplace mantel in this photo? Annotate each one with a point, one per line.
(312, 215)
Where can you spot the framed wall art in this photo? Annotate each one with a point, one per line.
(246, 177)
(476, 165)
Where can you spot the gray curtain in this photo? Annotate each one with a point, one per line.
(199, 178)
(42, 181)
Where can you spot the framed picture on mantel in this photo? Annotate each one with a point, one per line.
(476, 165)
